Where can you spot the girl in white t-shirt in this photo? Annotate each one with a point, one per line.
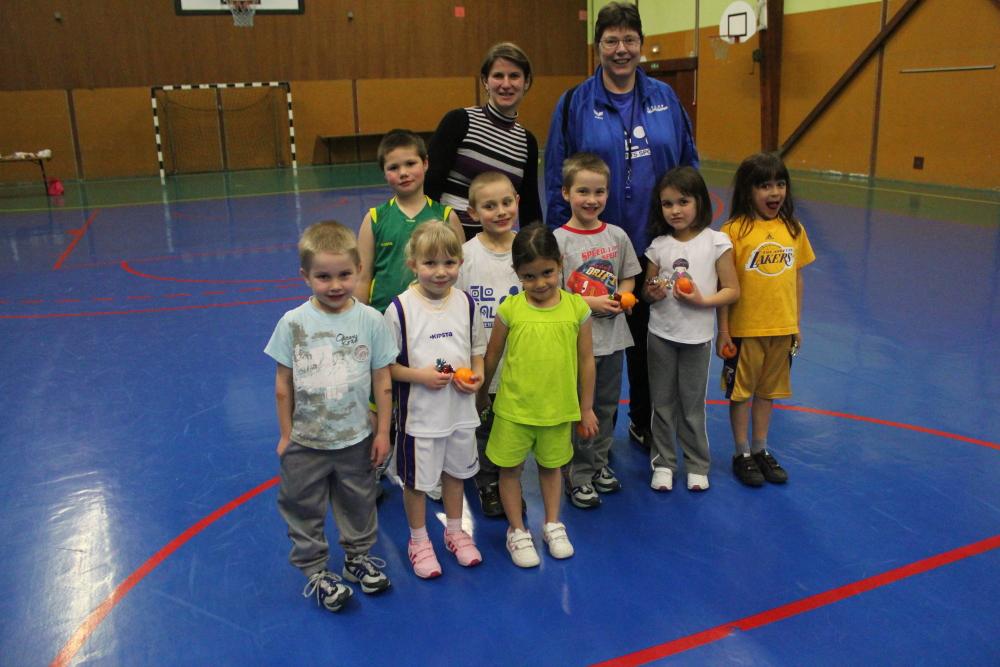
(690, 273)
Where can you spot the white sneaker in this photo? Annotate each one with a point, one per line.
(522, 548)
(697, 482)
(555, 536)
(663, 479)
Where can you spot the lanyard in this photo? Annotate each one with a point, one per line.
(627, 130)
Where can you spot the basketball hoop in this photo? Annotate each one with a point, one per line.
(243, 11)
(720, 47)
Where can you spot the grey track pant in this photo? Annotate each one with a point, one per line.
(312, 480)
(678, 384)
(590, 455)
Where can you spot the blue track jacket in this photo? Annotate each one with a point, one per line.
(593, 125)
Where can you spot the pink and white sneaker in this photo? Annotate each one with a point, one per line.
(460, 543)
(425, 562)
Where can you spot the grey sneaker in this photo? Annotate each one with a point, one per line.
(330, 593)
(367, 571)
(606, 482)
(584, 496)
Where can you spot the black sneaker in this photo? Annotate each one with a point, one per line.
(583, 496)
(330, 593)
(605, 481)
(489, 498)
(746, 470)
(769, 467)
(367, 571)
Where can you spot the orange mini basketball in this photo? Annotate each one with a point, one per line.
(626, 299)
(685, 285)
(465, 375)
(728, 350)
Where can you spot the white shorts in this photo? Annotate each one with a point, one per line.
(420, 461)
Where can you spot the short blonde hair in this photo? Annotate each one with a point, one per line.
(578, 162)
(483, 180)
(327, 236)
(432, 238)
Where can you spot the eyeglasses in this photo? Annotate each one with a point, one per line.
(611, 43)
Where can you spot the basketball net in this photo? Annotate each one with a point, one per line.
(243, 11)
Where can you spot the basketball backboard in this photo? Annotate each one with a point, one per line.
(738, 23)
(195, 7)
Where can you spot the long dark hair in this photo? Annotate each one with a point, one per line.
(688, 182)
(756, 170)
(532, 242)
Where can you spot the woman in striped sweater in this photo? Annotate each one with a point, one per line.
(474, 140)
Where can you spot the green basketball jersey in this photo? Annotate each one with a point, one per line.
(392, 229)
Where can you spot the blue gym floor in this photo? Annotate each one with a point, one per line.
(137, 429)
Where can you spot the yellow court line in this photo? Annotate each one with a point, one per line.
(875, 187)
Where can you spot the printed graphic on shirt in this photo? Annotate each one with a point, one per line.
(771, 259)
(638, 144)
(680, 267)
(326, 363)
(595, 277)
(487, 301)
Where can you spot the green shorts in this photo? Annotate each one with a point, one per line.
(510, 443)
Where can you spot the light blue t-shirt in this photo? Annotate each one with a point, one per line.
(332, 357)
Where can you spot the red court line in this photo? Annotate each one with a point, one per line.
(881, 422)
(90, 624)
(801, 606)
(644, 656)
(139, 311)
(135, 272)
(77, 234)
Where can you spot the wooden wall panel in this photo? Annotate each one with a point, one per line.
(818, 47)
(33, 120)
(728, 109)
(536, 111)
(115, 131)
(414, 104)
(948, 118)
(150, 45)
(322, 109)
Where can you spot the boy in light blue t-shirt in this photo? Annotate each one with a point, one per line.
(332, 352)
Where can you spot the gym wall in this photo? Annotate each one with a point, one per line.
(947, 118)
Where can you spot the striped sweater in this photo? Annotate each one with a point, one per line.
(474, 140)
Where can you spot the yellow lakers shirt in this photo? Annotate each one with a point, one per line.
(767, 262)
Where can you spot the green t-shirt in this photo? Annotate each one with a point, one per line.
(392, 229)
(538, 384)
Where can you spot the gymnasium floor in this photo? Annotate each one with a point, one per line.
(137, 429)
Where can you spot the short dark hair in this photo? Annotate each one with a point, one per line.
(533, 242)
(508, 51)
(617, 15)
(398, 138)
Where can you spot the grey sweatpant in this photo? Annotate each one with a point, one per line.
(678, 384)
(312, 479)
(590, 455)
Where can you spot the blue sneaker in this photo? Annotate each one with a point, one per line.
(330, 593)
(367, 571)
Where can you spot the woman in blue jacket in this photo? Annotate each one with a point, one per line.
(638, 126)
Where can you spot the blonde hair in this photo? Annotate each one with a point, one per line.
(328, 236)
(483, 180)
(432, 238)
(578, 162)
